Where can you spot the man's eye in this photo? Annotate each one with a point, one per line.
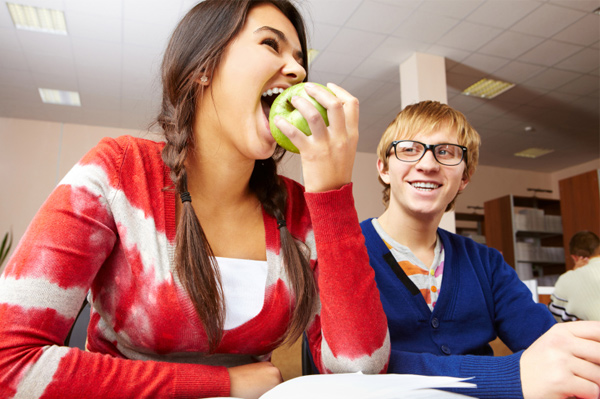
(272, 43)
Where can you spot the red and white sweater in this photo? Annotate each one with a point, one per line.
(108, 229)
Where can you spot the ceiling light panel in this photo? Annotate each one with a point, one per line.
(60, 97)
(488, 88)
(38, 19)
(533, 152)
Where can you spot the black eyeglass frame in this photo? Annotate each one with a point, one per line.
(427, 147)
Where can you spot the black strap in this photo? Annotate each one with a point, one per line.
(391, 261)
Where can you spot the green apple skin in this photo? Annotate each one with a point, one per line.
(283, 107)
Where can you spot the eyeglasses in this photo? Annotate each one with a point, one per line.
(413, 151)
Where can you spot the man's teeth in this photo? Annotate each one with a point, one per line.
(425, 186)
(270, 92)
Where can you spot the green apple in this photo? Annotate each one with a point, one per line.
(283, 107)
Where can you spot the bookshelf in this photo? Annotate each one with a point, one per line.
(528, 232)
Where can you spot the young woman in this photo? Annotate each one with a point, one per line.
(197, 258)
(445, 296)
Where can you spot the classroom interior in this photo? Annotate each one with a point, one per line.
(527, 207)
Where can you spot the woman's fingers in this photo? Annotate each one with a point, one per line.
(328, 153)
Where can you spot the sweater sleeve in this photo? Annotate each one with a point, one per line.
(44, 284)
(349, 333)
(519, 321)
(495, 376)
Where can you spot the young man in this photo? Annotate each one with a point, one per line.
(576, 294)
(445, 296)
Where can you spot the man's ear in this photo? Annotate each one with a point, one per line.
(384, 173)
(464, 181)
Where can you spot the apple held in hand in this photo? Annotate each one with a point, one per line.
(283, 107)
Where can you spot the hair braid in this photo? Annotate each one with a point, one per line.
(272, 194)
(194, 260)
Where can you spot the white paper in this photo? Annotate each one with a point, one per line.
(364, 386)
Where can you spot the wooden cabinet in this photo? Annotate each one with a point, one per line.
(580, 206)
(528, 232)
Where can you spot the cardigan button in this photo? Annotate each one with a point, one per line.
(435, 323)
(446, 350)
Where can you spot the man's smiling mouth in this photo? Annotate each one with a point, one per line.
(425, 186)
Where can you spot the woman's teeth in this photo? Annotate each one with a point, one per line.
(270, 92)
(425, 186)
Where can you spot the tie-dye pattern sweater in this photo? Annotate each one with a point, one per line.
(108, 232)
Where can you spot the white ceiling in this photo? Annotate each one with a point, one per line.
(549, 48)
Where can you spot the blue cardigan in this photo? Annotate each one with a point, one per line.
(481, 298)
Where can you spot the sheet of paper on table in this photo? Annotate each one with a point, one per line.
(363, 386)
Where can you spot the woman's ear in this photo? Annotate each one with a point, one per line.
(384, 173)
(204, 80)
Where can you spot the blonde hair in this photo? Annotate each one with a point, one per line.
(427, 117)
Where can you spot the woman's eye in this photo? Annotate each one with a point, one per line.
(272, 43)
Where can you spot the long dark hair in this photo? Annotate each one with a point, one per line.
(197, 46)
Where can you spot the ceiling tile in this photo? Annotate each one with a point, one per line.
(45, 43)
(454, 8)
(100, 87)
(479, 65)
(469, 36)
(586, 61)
(379, 70)
(362, 88)
(466, 104)
(101, 102)
(334, 12)
(584, 32)
(9, 40)
(100, 9)
(424, 27)
(5, 18)
(352, 41)
(582, 5)
(13, 60)
(385, 100)
(97, 54)
(94, 27)
(551, 79)
(52, 64)
(549, 53)
(62, 81)
(517, 72)
(157, 12)
(502, 14)
(584, 85)
(147, 34)
(321, 35)
(144, 61)
(398, 50)
(460, 81)
(547, 20)
(510, 44)
(452, 54)
(378, 17)
(16, 92)
(336, 62)
(324, 77)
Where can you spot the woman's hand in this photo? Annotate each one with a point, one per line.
(328, 154)
(252, 380)
(563, 363)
